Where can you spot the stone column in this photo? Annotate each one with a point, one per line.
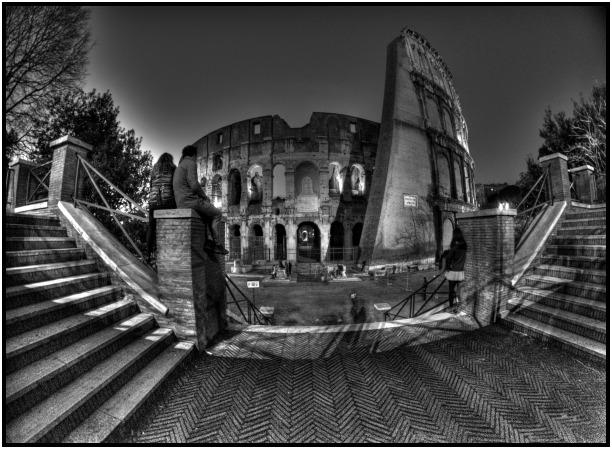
(18, 190)
(63, 169)
(584, 183)
(191, 282)
(558, 176)
(489, 266)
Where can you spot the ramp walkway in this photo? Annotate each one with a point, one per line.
(441, 380)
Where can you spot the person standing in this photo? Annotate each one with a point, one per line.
(455, 261)
(189, 195)
(161, 195)
(289, 267)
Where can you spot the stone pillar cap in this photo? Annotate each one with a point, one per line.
(71, 140)
(552, 156)
(21, 161)
(176, 213)
(584, 167)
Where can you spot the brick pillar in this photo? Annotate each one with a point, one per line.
(558, 175)
(489, 235)
(191, 282)
(584, 183)
(63, 168)
(18, 190)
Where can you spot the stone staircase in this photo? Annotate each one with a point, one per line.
(564, 298)
(79, 359)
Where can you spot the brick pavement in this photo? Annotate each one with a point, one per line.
(436, 382)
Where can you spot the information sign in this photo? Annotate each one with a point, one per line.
(252, 284)
(411, 200)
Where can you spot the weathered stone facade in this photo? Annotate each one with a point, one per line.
(270, 179)
(424, 172)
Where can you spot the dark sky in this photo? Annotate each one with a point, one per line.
(178, 73)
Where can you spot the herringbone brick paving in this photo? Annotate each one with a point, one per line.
(440, 382)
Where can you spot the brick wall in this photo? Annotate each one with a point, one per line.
(558, 174)
(63, 168)
(489, 263)
(191, 282)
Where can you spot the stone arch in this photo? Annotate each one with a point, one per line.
(444, 179)
(448, 123)
(279, 186)
(256, 243)
(447, 233)
(433, 113)
(306, 187)
(357, 180)
(234, 242)
(458, 180)
(255, 184)
(234, 190)
(216, 192)
(309, 242)
(357, 229)
(280, 242)
(336, 241)
(335, 178)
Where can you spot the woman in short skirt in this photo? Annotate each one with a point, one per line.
(455, 260)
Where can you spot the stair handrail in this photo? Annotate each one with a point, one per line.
(411, 301)
(39, 182)
(259, 317)
(543, 197)
(77, 201)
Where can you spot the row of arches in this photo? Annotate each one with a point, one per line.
(308, 242)
(306, 176)
(457, 184)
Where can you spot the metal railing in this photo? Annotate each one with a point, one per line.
(88, 169)
(539, 196)
(410, 302)
(38, 183)
(253, 314)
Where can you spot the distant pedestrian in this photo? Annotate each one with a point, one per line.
(161, 195)
(455, 261)
(289, 267)
(189, 195)
(358, 311)
(273, 272)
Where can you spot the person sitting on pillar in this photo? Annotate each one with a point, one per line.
(189, 195)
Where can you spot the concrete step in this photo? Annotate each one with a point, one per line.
(27, 347)
(113, 415)
(32, 220)
(33, 243)
(582, 262)
(43, 256)
(559, 337)
(586, 290)
(39, 273)
(590, 308)
(35, 382)
(53, 419)
(579, 240)
(581, 222)
(30, 317)
(582, 230)
(574, 274)
(578, 324)
(578, 214)
(577, 250)
(21, 230)
(26, 294)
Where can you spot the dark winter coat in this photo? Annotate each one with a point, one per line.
(455, 259)
(162, 193)
(187, 189)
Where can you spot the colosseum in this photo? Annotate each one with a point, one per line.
(313, 194)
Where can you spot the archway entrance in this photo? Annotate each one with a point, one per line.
(309, 243)
(234, 242)
(336, 241)
(280, 244)
(256, 244)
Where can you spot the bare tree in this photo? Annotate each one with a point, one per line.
(590, 130)
(417, 237)
(46, 49)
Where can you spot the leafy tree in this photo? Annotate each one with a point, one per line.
(46, 49)
(581, 137)
(116, 154)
